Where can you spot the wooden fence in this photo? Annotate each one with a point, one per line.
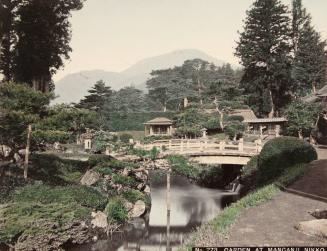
(204, 146)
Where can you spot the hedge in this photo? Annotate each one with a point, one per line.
(281, 153)
(134, 121)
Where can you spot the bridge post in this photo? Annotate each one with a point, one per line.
(258, 145)
(169, 146)
(222, 145)
(187, 144)
(182, 146)
(241, 145)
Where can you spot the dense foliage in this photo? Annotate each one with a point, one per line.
(35, 39)
(302, 118)
(20, 106)
(281, 153)
(264, 49)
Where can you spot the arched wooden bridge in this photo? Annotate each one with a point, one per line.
(206, 151)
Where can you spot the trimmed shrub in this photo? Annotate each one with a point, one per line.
(150, 139)
(134, 120)
(154, 153)
(235, 118)
(281, 153)
(125, 137)
(116, 210)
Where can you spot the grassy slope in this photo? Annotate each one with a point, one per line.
(59, 200)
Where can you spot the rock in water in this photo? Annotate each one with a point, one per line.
(147, 189)
(99, 220)
(90, 178)
(138, 209)
(314, 228)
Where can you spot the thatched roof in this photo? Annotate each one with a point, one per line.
(245, 113)
(159, 121)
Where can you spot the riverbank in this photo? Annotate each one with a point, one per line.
(67, 202)
(269, 215)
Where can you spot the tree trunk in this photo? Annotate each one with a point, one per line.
(272, 112)
(221, 120)
(168, 209)
(27, 153)
(314, 89)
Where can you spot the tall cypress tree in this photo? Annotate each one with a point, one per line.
(309, 66)
(264, 49)
(8, 38)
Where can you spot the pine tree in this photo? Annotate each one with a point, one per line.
(264, 49)
(97, 97)
(309, 65)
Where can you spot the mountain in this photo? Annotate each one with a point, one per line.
(74, 86)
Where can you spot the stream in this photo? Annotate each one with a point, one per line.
(191, 205)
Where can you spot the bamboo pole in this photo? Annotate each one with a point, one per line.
(27, 152)
(168, 210)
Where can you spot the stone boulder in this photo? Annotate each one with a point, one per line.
(319, 214)
(313, 228)
(90, 178)
(138, 209)
(99, 220)
(147, 189)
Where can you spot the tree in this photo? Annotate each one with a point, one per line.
(302, 118)
(69, 119)
(8, 18)
(38, 32)
(226, 93)
(264, 49)
(234, 129)
(299, 16)
(21, 107)
(169, 87)
(126, 100)
(97, 97)
(309, 66)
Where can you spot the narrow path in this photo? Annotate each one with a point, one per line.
(272, 223)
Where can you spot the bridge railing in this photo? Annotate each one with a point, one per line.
(203, 145)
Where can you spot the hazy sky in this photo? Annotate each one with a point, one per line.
(114, 34)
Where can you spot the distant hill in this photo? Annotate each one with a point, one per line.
(74, 86)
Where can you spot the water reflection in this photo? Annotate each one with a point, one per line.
(191, 205)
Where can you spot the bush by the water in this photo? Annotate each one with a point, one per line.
(116, 210)
(135, 195)
(280, 153)
(181, 166)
